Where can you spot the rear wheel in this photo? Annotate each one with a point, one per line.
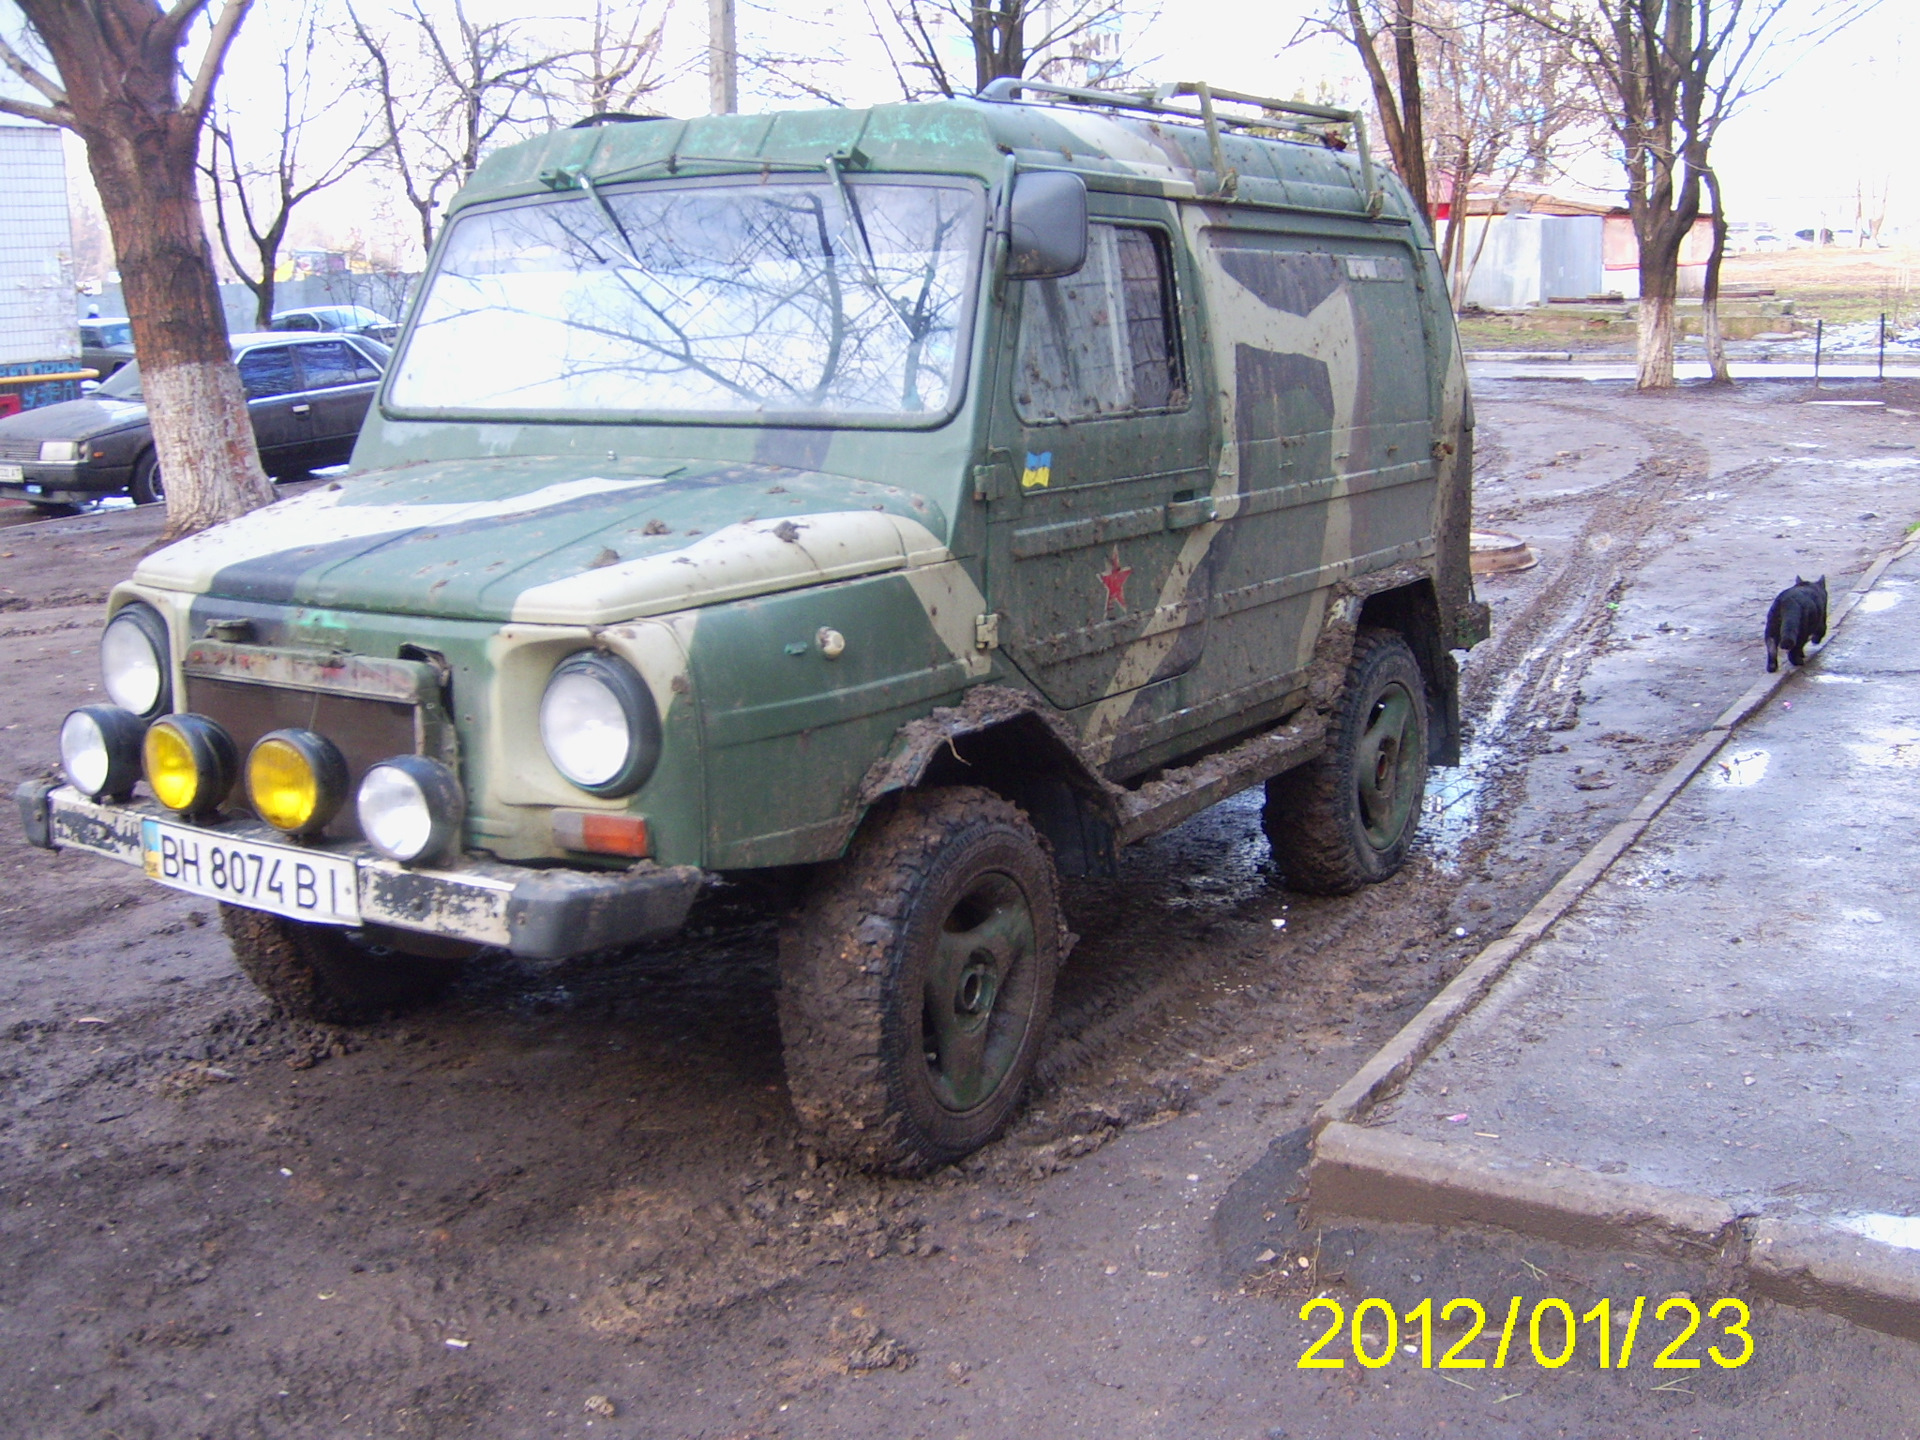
(148, 486)
(336, 976)
(1348, 817)
(916, 982)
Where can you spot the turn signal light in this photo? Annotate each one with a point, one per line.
(599, 833)
(190, 763)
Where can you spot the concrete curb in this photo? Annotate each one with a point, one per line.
(1381, 1175)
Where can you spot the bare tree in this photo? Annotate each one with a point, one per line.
(254, 195)
(446, 87)
(113, 77)
(1672, 72)
(1367, 25)
(1505, 105)
(1024, 39)
(619, 60)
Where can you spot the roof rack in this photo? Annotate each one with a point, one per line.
(1274, 114)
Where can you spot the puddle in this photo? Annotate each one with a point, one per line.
(1889, 749)
(1879, 600)
(1900, 1230)
(1736, 771)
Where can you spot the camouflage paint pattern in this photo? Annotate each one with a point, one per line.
(1160, 582)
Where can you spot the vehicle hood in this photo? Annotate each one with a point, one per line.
(551, 541)
(73, 419)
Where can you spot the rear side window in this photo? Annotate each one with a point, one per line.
(327, 363)
(268, 371)
(1104, 341)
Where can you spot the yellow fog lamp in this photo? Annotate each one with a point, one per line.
(100, 750)
(296, 781)
(190, 763)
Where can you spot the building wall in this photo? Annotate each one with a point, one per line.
(1531, 259)
(36, 249)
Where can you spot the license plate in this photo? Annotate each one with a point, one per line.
(302, 884)
(12, 472)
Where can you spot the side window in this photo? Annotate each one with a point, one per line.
(268, 371)
(327, 363)
(1104, 341)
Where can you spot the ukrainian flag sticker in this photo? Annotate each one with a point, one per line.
(1038, 472)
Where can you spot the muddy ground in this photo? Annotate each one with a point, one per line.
(569, 1201)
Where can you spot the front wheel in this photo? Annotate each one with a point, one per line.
(148, 486)
(334, 976)
(1348, 817)
(916, 982)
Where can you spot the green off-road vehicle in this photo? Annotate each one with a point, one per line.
(923, 502)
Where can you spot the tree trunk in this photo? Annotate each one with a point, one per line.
(201, 427)
(1658, 286)
(1406, 61)
(119, 68)
(1710, 291)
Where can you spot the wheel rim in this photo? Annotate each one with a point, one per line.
(978, 1000)
(1386, 766)
(156, 483)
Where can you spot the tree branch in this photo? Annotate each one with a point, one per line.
(27, 71)
(218, 44)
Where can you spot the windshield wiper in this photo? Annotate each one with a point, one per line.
(863, 251)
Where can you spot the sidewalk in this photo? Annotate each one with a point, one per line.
(1718, 1043)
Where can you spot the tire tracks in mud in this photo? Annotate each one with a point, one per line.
(1170, 1012)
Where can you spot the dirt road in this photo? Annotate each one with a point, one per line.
(570, 1202)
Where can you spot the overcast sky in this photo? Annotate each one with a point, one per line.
(1839, 120)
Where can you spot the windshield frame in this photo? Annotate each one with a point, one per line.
(966, 317)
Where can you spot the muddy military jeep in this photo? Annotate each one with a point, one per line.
(922, 502)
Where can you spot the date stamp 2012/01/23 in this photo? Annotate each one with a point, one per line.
(1549, 1335)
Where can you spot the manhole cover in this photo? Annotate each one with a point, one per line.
(1497, 554)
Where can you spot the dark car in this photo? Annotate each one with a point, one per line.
(106, 344)
(340, 319)
(307, 394)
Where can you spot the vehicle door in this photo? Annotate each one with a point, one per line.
(1320, 355)
(337, 385)
(1098, 482)
(279, 410)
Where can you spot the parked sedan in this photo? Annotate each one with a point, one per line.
(106, 344)
(342, 319)
(307, 395)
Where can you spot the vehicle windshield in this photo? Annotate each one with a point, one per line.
(107, 332)
(124, 384)
(797, 297)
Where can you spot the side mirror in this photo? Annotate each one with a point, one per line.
(1047, 225)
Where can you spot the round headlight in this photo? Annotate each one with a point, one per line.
(296, 780)
(133, 661)
(190, 763)
(599, 724)
(100, 750)
(411, 808)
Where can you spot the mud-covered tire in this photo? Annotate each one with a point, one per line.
(1348, 817)
(148, 486)
(327, 974)
(916, 979)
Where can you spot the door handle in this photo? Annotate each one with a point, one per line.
(1182, 514)
(301, 409)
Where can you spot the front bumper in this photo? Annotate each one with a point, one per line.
(66, 482)
(537, 914)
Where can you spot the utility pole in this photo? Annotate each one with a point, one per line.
(723, 59)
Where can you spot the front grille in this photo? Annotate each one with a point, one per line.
(366, 730)
(19, 449)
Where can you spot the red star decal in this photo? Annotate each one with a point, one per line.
(1115, 579)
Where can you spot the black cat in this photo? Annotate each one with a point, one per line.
(1796, 619)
